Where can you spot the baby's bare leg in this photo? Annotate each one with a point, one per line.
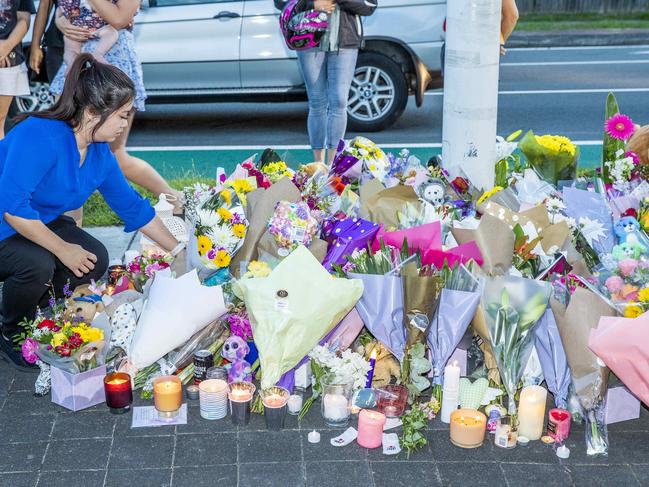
(107, 36)
(71, 50)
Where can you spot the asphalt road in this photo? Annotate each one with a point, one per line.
(549, 90)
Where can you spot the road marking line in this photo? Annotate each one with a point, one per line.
(574, 48)
(417, 145)
(577, 63)
(557, 92)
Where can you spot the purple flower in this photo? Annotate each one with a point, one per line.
(151, 269)
(211, 254)
(66, 290)
(51, 302)
(240, 326)
(29, 348)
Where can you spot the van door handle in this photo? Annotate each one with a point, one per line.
(226, 15)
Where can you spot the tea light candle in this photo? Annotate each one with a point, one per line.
(240, 395)
(119, 394)
(167, 395)
(559, 424)
(336, 407)
(274, 401)
(468, 428)
(370, 428)
(531, 412)
(295, 404)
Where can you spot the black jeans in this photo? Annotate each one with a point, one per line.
(27, 270)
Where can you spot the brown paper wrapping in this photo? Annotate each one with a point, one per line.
(479, 325)
(261, 205)
(575, 323)
(269, 244)
(383, 207)
(366, 192)
(419, 297)
(496, 243)
(554, 235)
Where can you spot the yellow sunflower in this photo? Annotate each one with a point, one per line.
(204, 245)
(242, 186)
(227, 197)
(632, 311)
(222, 259)
(239, 230)
(225, 214)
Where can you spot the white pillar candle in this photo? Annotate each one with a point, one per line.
(531, 412)
(451, 391)
(336, 407)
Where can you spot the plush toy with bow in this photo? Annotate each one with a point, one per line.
(84, 304)
(235, 350)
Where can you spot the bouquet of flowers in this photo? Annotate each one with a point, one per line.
(275, 171)
(219, 224)
(553, 157)
(71, 345)
(144, 267)
(512, 307)
(626, 284)
(292, 225)
(358, 156)
(342, 367)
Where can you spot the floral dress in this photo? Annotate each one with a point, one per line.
(122, 56)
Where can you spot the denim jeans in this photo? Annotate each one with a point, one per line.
(328, 78)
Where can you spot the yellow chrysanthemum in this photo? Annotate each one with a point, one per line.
(488, 194)
(643, 295)
(227, 197)
(259, 269)
(93, 335)
(632, 311)
(556, 143)
(242, 186)
(58, 339)
(204, 245)
(222, 259)
(225, 214)
(239, 230)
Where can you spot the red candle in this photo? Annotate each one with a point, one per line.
(559, 424)
(119, 395)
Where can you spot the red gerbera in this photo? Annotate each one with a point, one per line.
(49, 324)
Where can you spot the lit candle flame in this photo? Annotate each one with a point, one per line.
(373, 355)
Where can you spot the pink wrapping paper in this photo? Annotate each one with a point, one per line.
(422, 237)
(428, 238)
(621, 343)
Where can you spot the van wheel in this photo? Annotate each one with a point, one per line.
(378, 95)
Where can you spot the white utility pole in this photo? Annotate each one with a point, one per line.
(471, 90)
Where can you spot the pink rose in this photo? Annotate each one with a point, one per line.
(28, 349)
(627, 266)
(614, 284)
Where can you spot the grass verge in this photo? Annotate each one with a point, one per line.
(97, 213)
(571, 21)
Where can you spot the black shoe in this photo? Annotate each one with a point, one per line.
(13, 357)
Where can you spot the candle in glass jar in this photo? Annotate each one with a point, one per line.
(240, 395)
(370, 428)
(119, 394)
(336, 407)
(468, 428)
(531, 412)
(294, 404)
(167, 395)
(274, 401)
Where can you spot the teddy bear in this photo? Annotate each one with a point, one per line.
(385, 367)
(83, 304)
(628, 250)
(627, 230)
(639, 144)
(235, 350)
(432, 191)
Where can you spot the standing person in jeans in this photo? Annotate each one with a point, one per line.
(14, 24)
(328, 71)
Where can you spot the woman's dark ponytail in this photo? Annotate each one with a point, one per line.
(100, 88)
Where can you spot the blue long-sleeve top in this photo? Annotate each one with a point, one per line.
(41, 177)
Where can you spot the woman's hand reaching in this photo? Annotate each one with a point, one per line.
(77, 259)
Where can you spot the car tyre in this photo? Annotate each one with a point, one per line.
(38, 99)
(378, 95)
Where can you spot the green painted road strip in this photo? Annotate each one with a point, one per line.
(179, 162)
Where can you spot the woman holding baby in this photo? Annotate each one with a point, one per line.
(103, 28)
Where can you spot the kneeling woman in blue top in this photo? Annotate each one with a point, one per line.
(50, 164)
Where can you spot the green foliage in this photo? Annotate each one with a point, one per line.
(611, 145)
(415, 420)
